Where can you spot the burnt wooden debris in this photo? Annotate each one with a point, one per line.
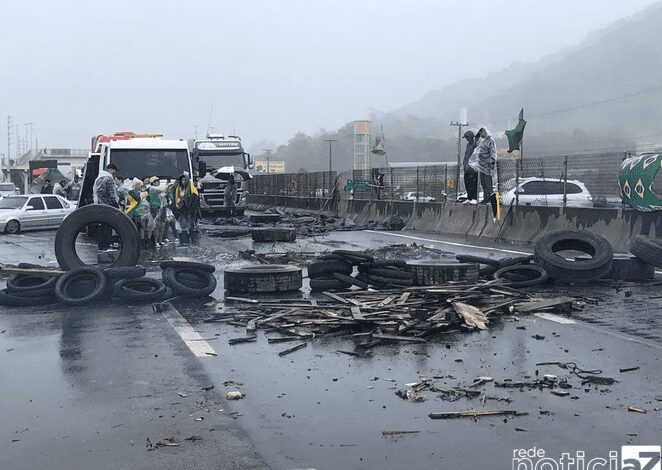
(371, 318)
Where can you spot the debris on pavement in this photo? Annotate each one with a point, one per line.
(234, 395)
(474, 414)
(636, 409)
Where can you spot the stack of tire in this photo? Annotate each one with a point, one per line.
(430, 273)
(516, 270)
(189, 278)
(331, 273)
(385, 274)
(29, 290)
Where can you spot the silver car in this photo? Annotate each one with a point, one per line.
(33, 212)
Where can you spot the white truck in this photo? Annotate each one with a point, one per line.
(217, 157)
(136, 156)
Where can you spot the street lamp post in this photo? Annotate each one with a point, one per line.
(330, 141)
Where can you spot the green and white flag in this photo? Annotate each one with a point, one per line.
(515, 135)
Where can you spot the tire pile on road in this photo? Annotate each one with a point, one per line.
(82, 286)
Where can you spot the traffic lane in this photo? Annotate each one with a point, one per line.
(317, 408)
(87, 387)
(29, 247)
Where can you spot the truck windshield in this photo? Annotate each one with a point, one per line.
(143, 163)
(216, 161)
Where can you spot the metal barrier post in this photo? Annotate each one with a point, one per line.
(446, 180)
(417, 183)
(516, 184)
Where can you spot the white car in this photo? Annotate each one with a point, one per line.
(546, 192)
(414, 196)
(33, 212)
(7, 189)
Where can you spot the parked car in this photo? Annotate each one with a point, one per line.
(8, 189)
(414, 196)
(546, 192)
(33, 212)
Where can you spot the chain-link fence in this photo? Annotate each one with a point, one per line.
(586, 180)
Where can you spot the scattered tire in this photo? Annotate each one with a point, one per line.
(189, 282)
(80, 286)
(263, 278)
(30, 282)
(274, 235)
(630, 268)
(77, 221)
(264, 218)
(562, 269)
(388, 281)
(10, 300)
(522, 275)
(326, 283)
(428, 273)
(324, 269)
(647, 249)
(351, 280)
(142, 289)
(124, 272)
(205, 267)
(487, 271)
(228, 233)
(354, 254)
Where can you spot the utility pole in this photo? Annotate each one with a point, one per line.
(268, 152)
(459, 126)
(5, 160)
(330, 141)
(196, 132)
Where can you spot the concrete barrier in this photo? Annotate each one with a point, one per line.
(520, 225)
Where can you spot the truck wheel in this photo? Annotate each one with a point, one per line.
(323, 269)
(274, 235)
(630, 268)
(429, 273)
(263, 278)
(647, 249)
(558, 267)
(522, 275)
(77, 221)
(81, 286)
(189, 282)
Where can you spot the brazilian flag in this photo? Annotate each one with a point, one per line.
(515, 135)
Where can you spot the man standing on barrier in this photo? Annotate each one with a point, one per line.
(105, 192)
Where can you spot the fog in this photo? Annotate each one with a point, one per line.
(264, 69)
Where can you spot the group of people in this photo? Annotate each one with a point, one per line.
(64, 188)
(153, 209)
(479, 161)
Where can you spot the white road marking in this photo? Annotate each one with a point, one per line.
(191, 338)
(556, 318)
(465, 245)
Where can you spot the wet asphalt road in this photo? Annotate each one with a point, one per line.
(86, 387)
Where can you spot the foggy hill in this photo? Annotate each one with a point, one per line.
(604, 93)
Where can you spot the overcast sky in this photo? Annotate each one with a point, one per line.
(268, 68)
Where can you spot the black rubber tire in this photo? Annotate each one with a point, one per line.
(559, 268)
(390, 273)
(487, 271)
(477, 259)
(168, 294)
(630, 268)
(228, 233)
(65, 238)
(13, 227)
(10, 300)
(527, 275)
(205, 267)
(383, 263)
(32, 266)
(429, 273)
(324, 269)
(264, 218)
(30, 282)
(45, 292)
(143, 289)
(81, 286)
(124, 272)
(189, 282)
(274, 235)
(263, 279)
(351, 280)
(323, 284)
(647, 249)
